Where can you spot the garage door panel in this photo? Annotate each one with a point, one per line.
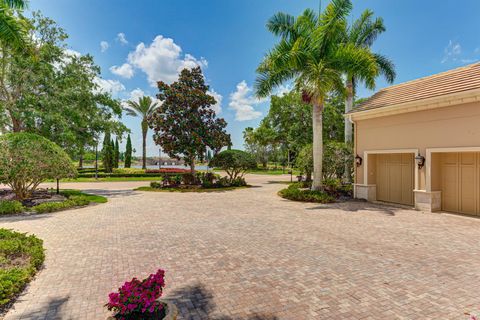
(460, 182)
(395, 178)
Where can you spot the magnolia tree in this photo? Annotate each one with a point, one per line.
(185, 124)
(234, 162)
(26, 160)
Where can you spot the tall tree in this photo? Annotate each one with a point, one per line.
(185, 124)
(112, 154)
(362, 33)
(312, 54)
(107, 153)
(142, 108)
(117, 153)
(128, 153)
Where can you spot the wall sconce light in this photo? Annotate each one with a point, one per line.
(420, 161)
(358, 160)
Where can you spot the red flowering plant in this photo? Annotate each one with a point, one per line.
(139, 299)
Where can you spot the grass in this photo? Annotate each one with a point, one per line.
(90, 197)
(199, 190)
(20, 258)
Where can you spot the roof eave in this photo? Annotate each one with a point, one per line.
(419, 105)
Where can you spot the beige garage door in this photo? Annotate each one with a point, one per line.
(395, 178)
(460, 182)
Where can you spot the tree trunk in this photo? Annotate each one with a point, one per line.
(192, 165)
(348, 128)
(80, 161)
(317, 118)
(144, 144)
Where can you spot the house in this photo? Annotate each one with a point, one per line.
(418, 143)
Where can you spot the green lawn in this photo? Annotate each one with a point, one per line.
(90, 197)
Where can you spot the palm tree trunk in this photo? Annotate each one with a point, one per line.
(144, 144)
(348, 128)
(317, 118)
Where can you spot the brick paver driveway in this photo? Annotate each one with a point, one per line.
(249, 254)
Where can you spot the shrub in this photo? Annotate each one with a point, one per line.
(27, 159)
(156, 185)
(189, 178)
(10, 207)
(27, 251)
(234, 162)
(127, 170)
(139, 299)
(304, 161)
(295, 192)
(75, 199)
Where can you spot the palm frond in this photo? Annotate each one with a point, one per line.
(12, 29)
(282, 24)
(15, 4)
(357, 61)
(386, 67)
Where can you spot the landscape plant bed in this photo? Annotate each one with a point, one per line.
(191, 189)
(333, 191)
(21, 256)
(43, 201)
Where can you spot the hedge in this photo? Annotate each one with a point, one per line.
(28, 253)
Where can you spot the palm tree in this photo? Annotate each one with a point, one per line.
(143, 108)
(12, 28)
(312, 53)
(363, 32)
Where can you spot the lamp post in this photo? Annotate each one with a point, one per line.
(159, 158)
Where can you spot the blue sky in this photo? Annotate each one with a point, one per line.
(148, 40)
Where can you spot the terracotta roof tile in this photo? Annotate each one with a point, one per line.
(453, 81)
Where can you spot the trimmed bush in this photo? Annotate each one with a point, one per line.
(75, 199)
(20, 258)
(27, 159)
(234, 162)
(296, 192)
(10, 207)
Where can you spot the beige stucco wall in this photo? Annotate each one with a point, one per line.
(453, 126)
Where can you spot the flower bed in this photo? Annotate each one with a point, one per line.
(20, 258)
(139, 299)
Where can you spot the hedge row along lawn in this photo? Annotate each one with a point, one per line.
(20, 258)
(75, 198)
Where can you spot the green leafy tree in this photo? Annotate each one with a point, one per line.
(234, 162)
(117, 153)
(53, 92)
(112, 155)
(27, 159)
(107, 153)
(185, 124)
(142, 108)
(128, 153)
(311, 52)
(304, 161)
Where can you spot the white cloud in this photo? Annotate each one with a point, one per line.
(452, 51)
(243, 102)
(162, 60)
(122, 38)
(104, 46)
(282, 90)
(125, 70)
(218, 97)
(71, 52)
(111, 86)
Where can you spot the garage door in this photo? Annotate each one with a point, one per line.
(395, 178)
(460, 182)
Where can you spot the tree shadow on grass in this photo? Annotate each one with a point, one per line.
(197, 302)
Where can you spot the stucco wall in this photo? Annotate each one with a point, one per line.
(455, 126)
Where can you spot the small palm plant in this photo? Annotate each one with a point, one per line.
(12, 28)
(143, 108)
(311, 53)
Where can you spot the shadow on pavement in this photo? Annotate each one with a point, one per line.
(356, 205)
(53, 310)
(196, 302)
(110, 193)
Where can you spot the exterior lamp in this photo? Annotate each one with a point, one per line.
(420, 161)
(358, 160)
